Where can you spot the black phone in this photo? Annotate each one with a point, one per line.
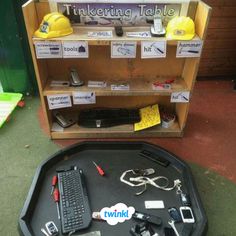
(175, 214)
(62, 120)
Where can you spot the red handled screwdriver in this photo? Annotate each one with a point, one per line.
(54, 182)
(100, 170)
(56, 200)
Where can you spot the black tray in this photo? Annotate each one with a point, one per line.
(115, 158)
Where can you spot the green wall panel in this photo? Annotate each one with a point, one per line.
(16, 69)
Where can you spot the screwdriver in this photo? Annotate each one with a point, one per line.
(100, 170)
(54, 182)
(56, 200)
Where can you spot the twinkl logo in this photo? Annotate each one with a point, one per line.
(117, 214)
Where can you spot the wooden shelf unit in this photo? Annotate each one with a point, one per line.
(81, 33)
(139, 73)
(138, 86)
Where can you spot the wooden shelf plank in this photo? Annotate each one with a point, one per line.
(76, 131)
(138, 87)
(81, 34)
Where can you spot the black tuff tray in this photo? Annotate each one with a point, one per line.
(115, 158)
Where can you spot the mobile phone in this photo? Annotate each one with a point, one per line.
(142, 229)
(51, 228)
(119, 31)
(74, 77)
(158, 24)
(186, 214)
(62, 121)
(174, 214)
(146, 217)
(157, 29)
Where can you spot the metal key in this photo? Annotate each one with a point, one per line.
(172, 224)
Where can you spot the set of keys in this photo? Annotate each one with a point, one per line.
(185, 215)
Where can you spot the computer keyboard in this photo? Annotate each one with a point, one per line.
(99, 118)
(74, 203)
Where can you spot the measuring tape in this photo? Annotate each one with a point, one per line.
(167, 119)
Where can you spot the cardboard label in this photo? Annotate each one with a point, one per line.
(123, 49)
(76, 49)
(97, 84)
(120, 87)
(84, 98)
(154, 49)
(144, 34)
(189, 48)
(46, 49)
(59, 101)
(100, 34)
(182, 97)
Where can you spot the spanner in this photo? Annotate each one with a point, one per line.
(44, 232)
(172, 224)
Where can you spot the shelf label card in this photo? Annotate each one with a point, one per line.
(144, 34)
(97, 84)
(123, 49)
(75, 49)
(46, 49)
(100, 34)
(84, 98)
(180, 97)
(59, 101)
(189, 48)
(153, 49)
(120, 87)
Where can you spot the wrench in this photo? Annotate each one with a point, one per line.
(172, 224)
(44, 232)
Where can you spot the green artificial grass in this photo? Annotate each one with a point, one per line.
(23, 146)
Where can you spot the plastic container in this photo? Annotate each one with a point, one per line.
(114, 158)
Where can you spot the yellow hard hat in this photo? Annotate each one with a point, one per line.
(180, 28)
(54, 25)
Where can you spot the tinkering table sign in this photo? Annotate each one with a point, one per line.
(112, 12)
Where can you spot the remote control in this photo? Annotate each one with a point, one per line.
(146, 217)
(119, 31)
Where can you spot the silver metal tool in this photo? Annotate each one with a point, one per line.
(172, 224)
(44, 232)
